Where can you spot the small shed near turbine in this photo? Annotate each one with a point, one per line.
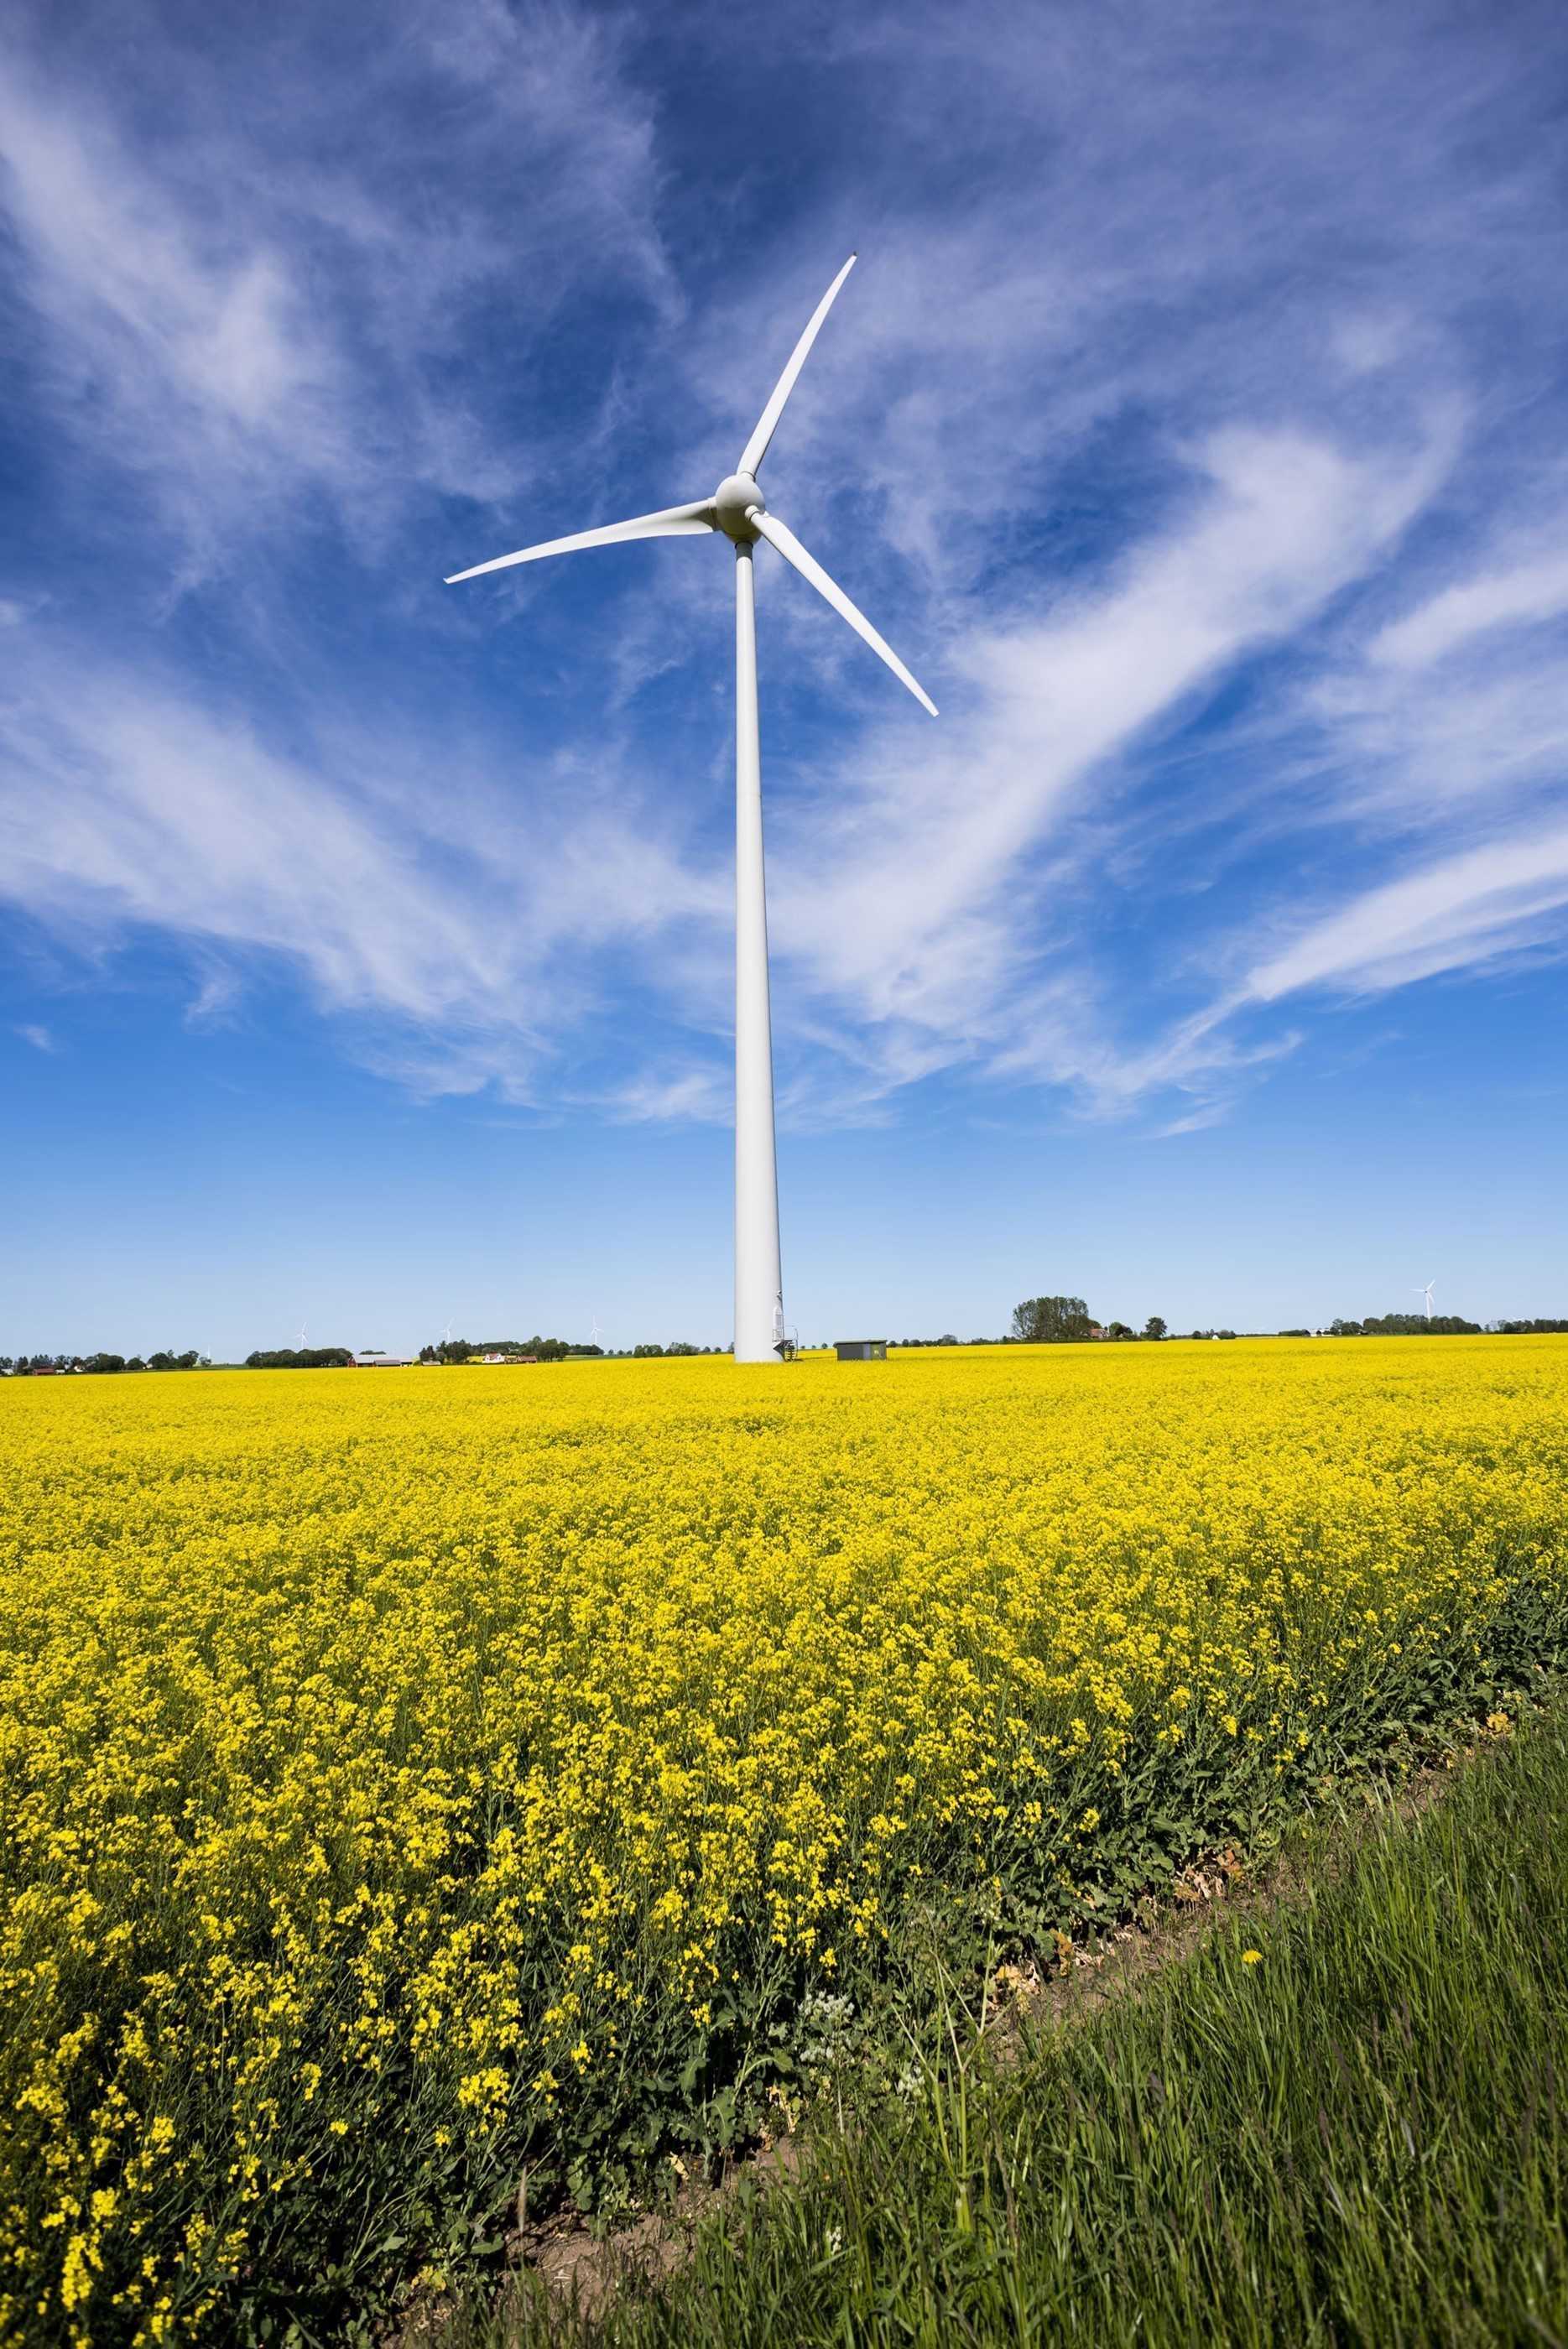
(861, 1350)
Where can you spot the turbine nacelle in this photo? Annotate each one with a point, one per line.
(736, 500)
(739, 511)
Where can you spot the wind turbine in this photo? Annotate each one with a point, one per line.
(1426, 1293)
(595, 1333)
(738, 511)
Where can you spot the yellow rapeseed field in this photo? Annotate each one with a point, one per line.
(410, 1777)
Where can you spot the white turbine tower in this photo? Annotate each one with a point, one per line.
(595, 1333)
(1426, 1293)
(738, 509)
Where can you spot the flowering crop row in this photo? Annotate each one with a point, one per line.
(407, 1778)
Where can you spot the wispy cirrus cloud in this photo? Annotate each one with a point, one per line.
(243, 310)
(1166, 426)
(1521, 597)
(897, 908)
(935, 905)
(130, 809)
(1463, 912)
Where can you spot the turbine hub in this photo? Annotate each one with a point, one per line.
(730, 500)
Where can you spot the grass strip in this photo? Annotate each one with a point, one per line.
(1341, 2120)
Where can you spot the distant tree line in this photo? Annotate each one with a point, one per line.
(467, 1350)
(1037, 1321)
(299, 1358)
(1407, 1325)
(100, 1364)
(1067, 1322)
(557, 1349)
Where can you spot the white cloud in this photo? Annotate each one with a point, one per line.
(696, 1093)
(1155, 383)
(39, 1036)
(1529, 592)
(906, 888)
(123, 807)
(254, 310)
(913, 919)
(1465, 911)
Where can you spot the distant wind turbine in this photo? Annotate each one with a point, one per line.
(595, 1333)
(299, 1341)
(1426, 1293)
(738, 509)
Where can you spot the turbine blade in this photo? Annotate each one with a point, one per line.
(674, 521)
(756, 448)
(789, 547)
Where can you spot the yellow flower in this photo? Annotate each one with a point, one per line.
(391, 1744)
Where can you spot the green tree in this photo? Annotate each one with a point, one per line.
(290, 1358)
(1154, 1327)
(1418, 1325)
(1051, 1320)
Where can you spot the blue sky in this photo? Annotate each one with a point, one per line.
(1193, 425)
